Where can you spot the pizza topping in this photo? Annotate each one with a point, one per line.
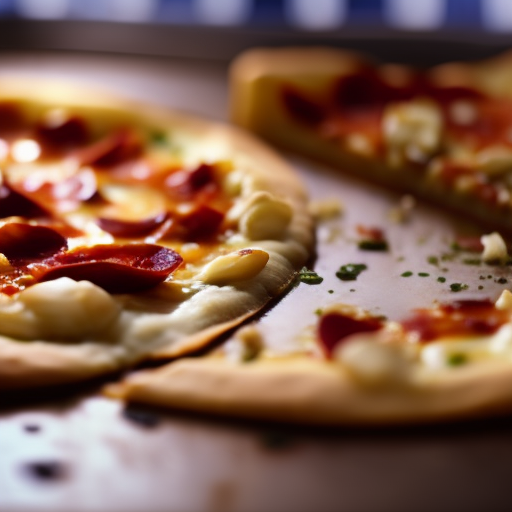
(412, 131)
(61, 309)
(201, 223)
(186, 183)
(458, 319)
(504, 301)
(265, 217)
(234, 267)
(334, 327)
(309, 276)
(111, 150)
(11, 119)
(245, 346)
(372, 239)
(373, 363)
(351, 271)
(495, 248)
(15, 204)
(64, 195)
(25, 150)
(131, 229)
(303, 109)
(58, 130)
(116, 268)
(22, 243)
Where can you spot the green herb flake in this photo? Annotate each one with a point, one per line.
(489, 276)
(159, 138)
(501, 280)
(472, 261)
(319, 311)
(482, 278)
(373, 245)
(423, 274)
(351, 271)
(433, 260)
(330, 291)
(458, 287)
(441, 279)
(456, 359)
(352, 290)
(480, 287)
(408, 273)
(309, 276)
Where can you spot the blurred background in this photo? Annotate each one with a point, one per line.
(219, 29)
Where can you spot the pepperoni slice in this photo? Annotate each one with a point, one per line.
(201, 223)
(334, 328)
(134, 229)
(187, 183)
(112, 150)
(116, 268)
(11, 118)
(465, 317)
(12, 203)
(65, 132)
(22, 243)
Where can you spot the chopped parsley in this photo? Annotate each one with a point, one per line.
(501, 280)
(373, 245)
(319, 311)
(456, 359)
(433, 260)
(159, 137)
(458, 287)
(472, 261)
(480, 287)
(351, 271)
(408, 273)
(441, 279)
(309, 276)
(330, 291)
(423, 274)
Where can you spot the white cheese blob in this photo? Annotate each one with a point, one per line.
(495, 249)
(60, 309)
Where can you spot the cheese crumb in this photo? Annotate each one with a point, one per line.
(495, 248)
(504, 301)
(371, 362)
(325, 209)
(402, 212)
(245, 346)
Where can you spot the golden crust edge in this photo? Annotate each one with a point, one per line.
(316, 393)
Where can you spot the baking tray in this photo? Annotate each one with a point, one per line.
(82, 452)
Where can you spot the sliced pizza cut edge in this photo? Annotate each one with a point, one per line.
(259, 77)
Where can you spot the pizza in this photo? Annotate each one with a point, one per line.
(130, 233)
(352, 368)
(442, 134)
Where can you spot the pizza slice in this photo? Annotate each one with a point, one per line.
(128, 232)
(444, 134)
(446, 362)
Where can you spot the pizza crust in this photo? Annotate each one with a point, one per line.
(313, 392)
(161, 322)
(257, 78)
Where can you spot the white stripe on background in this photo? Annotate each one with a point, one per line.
(415, 14)
(497, 15)
(43, 9)
(316, 14)
(132, 10)
(222, 12)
